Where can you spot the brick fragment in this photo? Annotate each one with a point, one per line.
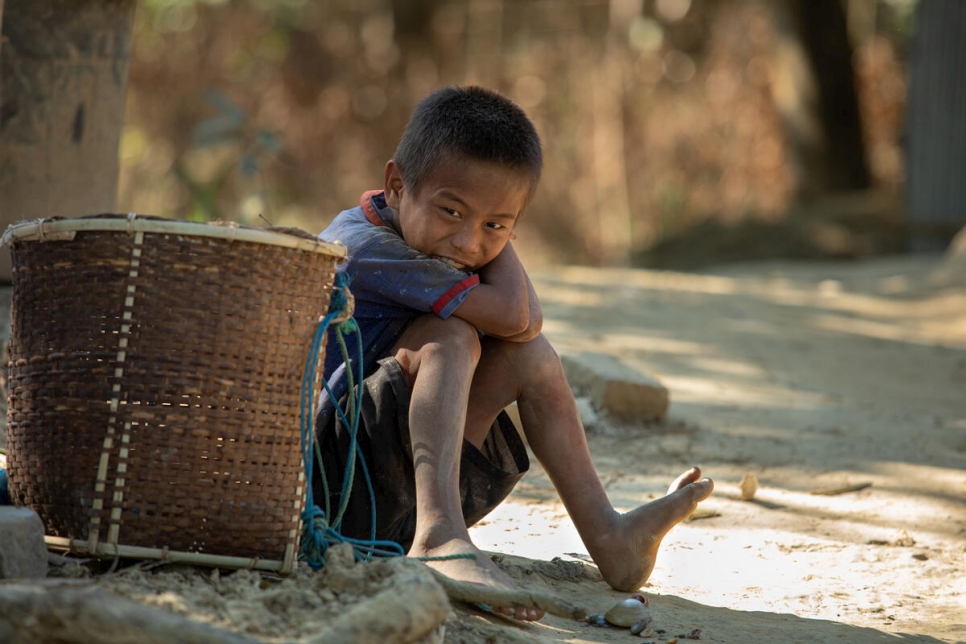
(616, 388)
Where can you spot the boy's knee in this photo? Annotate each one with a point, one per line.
(452, 340)
(535, 357)
(457, 338)
(537, 349)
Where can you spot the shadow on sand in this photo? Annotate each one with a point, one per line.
(674, 617)
(678, 617)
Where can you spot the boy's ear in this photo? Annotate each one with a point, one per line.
(394, 184)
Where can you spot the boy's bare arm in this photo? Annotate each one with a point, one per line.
(504, 305)
(535, 324)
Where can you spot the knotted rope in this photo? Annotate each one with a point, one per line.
(319, 530)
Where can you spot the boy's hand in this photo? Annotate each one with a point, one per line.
(504, 305)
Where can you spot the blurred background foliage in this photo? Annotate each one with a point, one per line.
(659, 118)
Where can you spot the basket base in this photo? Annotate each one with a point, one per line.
(108, 550)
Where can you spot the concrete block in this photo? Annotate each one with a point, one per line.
(616, 388)
(23, 553)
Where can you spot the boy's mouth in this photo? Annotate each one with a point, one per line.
(453, 263)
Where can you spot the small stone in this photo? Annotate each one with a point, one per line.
(640, 628)
(628, 612)
(748, 486)
(597, 620)
(23, 553)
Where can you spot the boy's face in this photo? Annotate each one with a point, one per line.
(463, 212)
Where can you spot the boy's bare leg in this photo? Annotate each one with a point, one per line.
(624, 546)
(439, 358)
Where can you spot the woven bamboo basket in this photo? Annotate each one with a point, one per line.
(154, 385)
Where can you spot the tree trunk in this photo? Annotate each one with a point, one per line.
(63, 65)
(936, 124)
(610, 168)
(1, 42)
(814, 91)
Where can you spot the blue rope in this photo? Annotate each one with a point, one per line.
(318, 533)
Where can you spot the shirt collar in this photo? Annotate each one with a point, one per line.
(377, 212)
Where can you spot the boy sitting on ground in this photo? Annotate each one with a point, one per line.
(451, 336)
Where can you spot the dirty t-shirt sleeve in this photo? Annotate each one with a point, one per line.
(389, 277)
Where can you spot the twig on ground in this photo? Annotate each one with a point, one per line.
(842, 490)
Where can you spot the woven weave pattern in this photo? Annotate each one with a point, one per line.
(154, 388)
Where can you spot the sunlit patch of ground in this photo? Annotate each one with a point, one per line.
(815, 377)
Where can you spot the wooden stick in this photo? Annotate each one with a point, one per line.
(108, 550)
(470, 593)
(842, 490)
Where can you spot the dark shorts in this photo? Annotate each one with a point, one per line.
(487, 476)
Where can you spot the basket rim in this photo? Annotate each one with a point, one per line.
(64, 229)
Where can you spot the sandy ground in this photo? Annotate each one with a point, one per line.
(812, 376)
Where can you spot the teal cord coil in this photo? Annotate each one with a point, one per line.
(320, 529)
(319, 532)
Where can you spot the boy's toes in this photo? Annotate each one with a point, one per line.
(690, 476)
(702, 489)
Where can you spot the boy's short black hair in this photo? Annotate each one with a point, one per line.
(472, 122)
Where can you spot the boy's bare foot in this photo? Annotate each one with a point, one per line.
(479, 570)
(626, 552)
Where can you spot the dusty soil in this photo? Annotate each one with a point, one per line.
(812, 376)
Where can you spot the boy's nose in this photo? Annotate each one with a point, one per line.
(467, 241)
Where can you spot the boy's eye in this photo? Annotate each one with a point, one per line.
(452, 212)
(495, 226)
